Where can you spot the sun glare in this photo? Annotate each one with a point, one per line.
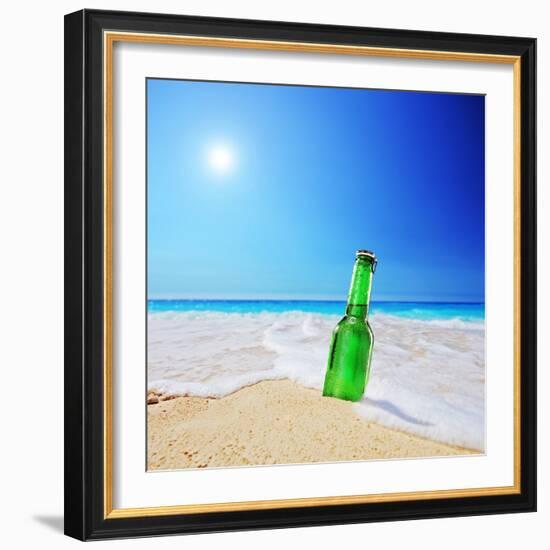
(221, 159)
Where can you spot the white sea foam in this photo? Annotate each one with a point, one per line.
(427, 377)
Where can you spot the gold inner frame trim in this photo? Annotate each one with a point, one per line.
(109, 39)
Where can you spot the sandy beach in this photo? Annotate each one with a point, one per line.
(427, 377)
(272, 422)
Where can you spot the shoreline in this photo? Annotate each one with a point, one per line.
(272, 422)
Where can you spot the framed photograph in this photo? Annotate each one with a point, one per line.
(300, 274)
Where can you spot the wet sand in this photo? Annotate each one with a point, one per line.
(272, 422)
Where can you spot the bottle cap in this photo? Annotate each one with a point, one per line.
(366, 253)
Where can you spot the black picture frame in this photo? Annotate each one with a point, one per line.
(85, 517)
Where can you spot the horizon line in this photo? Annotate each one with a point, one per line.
(335, 301)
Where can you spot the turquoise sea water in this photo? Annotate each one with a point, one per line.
(412, 310)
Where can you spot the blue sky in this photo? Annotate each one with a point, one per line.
(266, 191)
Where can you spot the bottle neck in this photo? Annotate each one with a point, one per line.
(359, 291)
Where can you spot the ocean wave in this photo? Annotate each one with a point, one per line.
(461, 323)
(427, 376)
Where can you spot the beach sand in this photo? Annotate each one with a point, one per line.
(272, 422)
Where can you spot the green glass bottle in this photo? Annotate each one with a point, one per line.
(352, 339)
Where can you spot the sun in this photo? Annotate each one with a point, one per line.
(221, 159)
